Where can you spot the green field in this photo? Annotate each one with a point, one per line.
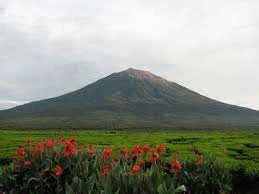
(242, 147)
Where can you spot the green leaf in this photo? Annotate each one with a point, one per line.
(162, 189)
(69, 189)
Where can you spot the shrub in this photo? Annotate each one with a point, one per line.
(206, 174)
(61, 166)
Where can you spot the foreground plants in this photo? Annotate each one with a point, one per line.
(61, 166)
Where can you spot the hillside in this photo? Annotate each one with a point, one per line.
(130, 99)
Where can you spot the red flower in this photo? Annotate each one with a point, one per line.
(160, 148)
(107, 153)
(15, 159)
(176, 164)
(105, 170)
(146, 148)
(21, 151)
(141, 163)
(72, 140)
(135, 169)
(124, 152)
(69, 149)
(139, 148)
(58, 170)
(154, 157)
(39, 147)
(91, 153)
(49, 144)
(136, 151)
(27, 163)
(33, 152)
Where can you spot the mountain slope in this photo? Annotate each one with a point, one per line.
(130, 98)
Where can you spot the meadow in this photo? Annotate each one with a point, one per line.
(237, 149)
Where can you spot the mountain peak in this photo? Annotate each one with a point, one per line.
(136, 71)
(141, 75)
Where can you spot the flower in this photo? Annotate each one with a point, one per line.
(154, 157)
(58, 170)
(27, 163)
(124, 152)
(39, 147)
(91, 153)
(139, 148)
(72, 140)
(135, 169)
(15, 159)
(21, 151)
(176, 164)
(160, 148)
(33, 152)
(106, 153)
(136, 151)
(70, 149)
(105, 170)
(141, 163)
(49, 144)
(146, 148)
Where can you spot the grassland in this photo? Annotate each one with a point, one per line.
(242, 147)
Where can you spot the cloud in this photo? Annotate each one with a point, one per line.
(49, 47)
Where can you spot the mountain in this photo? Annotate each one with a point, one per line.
(130, 99)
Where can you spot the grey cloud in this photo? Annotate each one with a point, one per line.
(49, 47)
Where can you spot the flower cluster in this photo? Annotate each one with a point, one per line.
(57, 165)
(64, 149)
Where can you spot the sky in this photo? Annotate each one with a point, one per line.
(49, 48)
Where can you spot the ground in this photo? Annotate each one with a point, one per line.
(237, 149)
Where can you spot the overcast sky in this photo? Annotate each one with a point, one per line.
(51, 47)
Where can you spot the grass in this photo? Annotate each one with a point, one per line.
(242, 147)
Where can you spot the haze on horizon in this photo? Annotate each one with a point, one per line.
(49, 48)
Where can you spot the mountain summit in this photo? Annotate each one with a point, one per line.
(130, 99)
(141, 75)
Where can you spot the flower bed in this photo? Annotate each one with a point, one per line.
(61, 166)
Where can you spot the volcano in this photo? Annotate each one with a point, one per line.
(131, 99)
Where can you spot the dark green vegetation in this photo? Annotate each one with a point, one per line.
(242, 147)
(130, 99)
